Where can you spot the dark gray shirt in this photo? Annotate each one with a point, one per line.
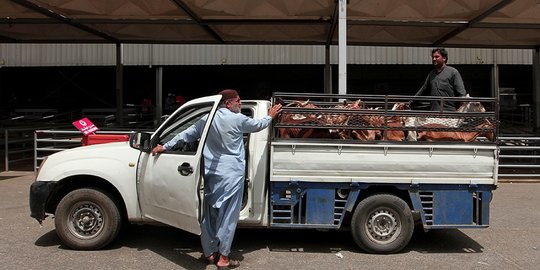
(447, 83)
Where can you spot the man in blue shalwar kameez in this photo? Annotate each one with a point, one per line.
(224, 167)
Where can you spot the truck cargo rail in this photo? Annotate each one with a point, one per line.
(384, 118)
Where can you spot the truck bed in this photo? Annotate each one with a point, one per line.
(414, 163)
(317, 150)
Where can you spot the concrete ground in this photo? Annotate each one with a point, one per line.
(511, 242)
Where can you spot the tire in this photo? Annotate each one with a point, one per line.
(87, 219)
(382, 223)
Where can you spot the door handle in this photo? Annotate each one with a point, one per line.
(185, 169)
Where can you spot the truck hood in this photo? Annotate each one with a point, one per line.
(98, 160)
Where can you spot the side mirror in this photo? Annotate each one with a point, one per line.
(141, 141)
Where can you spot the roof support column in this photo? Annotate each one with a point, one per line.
(495, 92)
(327, 71)
(159, 94)
(342, 47)
(495, 81)
(119, 85)
(536, 87)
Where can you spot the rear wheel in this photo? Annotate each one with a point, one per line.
(87, 219)
(382, 223)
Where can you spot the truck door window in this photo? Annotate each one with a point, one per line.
(180, 123)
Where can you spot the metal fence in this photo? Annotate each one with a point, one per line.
(17, 146)
(519, 156)
(47, 142)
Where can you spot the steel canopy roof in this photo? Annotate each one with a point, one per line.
(460, 23)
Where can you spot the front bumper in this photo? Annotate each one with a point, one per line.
(39, 195)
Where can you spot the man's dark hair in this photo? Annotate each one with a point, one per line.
(442, 51)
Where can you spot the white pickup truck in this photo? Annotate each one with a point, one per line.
(377, 189)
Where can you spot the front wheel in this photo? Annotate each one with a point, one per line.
(87, 219)
(382, 223)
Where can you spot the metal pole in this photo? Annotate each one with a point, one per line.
(495, 91)
(536, 86)
(342, 47)
(327, 71)
(159, 94)
(6, 148)
(119, 86)
(35, 151)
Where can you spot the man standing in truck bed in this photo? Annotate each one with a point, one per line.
(224, 168)
(443, 80)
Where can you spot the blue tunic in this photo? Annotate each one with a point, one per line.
(224, 167)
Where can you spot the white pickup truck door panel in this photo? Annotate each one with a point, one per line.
(169, 183)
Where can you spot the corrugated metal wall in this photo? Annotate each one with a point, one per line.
(12, 55)
(21, 55)
(221, 54)
(408, 55)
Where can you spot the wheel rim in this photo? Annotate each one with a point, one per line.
(383, 225)
(85, 220)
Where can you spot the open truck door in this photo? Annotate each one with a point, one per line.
(170, 184)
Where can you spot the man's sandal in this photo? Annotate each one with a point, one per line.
(212, 259)
(232, 264)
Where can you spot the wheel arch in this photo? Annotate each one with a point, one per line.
(385, 189)
(68, 184)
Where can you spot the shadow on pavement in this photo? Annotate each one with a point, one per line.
(184, 249)
(443, 241)
(49, 239)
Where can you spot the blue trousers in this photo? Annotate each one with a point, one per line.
(219, 225)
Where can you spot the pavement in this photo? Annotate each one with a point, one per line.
(511, 242)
